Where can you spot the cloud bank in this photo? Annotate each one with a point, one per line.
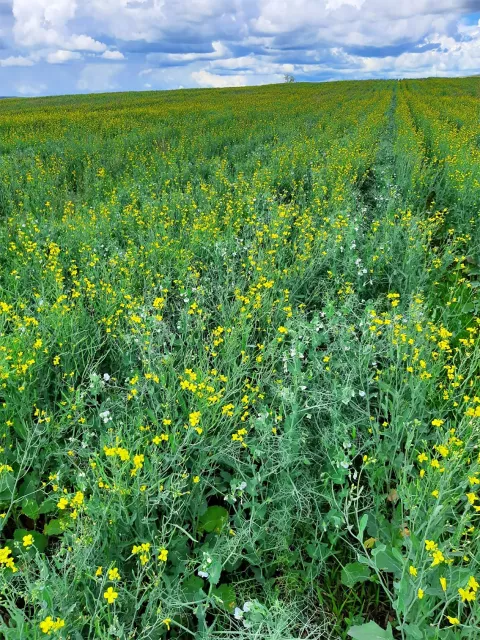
(103, 45)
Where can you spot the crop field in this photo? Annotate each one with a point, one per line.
(240, 363)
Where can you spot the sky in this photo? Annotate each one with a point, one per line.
(50, 47)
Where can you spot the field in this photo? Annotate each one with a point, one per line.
(240, 363)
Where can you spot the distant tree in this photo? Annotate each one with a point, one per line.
(288, 78)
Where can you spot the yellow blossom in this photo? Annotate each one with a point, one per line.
(28, 541)
(110, 595)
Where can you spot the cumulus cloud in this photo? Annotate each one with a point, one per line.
(16, 61)
(99, 77)
(113, 55)
(46, 23)
(31, 89)
(206, 79)
(239, 42)
(61, 56)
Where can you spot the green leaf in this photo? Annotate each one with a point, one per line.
(214, 572)
(362, 525)
(354, 572)
(213, 519)
(48, 506)
(20, 429)
(385, 561)
(30, 508)
(370, 631)
(225, 593)
(7, 484)
(54, 528)
(29, 486)
(193, 588)
(39, 540)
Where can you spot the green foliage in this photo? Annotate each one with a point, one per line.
(239, 363)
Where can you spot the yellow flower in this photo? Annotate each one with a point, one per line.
(163, 555)
(27, 541)
(167, 622)
(46, 625)
(453, 620)
(438, 557)
(466, 595)
(98, 572)
(49, 624)
(430, 545)
(62, 503)
(413, 571)
(443, 582)
(194, 418)
(437, 422)
(110, 595)
(7, 560)
(471, 497)
(196, 479)
(283, 330)
(78, 499)
(435, 493)
(420, 594)
(422, 457)
(473, 584)
(113, 574)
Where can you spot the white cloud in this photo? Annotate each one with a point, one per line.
(238, 42)
(31, 89)
(219, 51)
(113, 55)
(206, 79)
(99, 77)
(336, 4)
(45, 23)
(61, 56)
(16, 61)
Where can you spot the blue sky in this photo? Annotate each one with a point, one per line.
(81, 46)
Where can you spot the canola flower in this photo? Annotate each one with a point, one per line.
(110, 595)
(49, 625)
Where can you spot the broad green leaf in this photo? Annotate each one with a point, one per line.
(385, 561)
(48, 506)
(370, 631)
(193, 588)
(39, 540)
(54, 528)
(225, 593)
(7, 484)
(30, 508)
(354, 572)
(213, 519)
